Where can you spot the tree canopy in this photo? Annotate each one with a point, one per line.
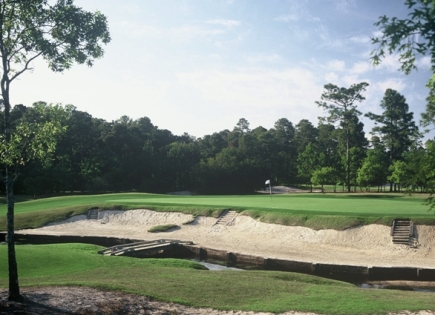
(62, 34)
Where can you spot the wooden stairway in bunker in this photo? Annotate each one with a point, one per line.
(93, 213)
(402, 232)
(227, 217)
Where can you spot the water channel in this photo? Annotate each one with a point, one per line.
(387, 286)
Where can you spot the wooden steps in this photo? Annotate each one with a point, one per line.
(93, 213)
(226, 218)
(402, 232)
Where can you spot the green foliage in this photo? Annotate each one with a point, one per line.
(340, 104)
(35, 135)
(396, 127)
(61, 33)
(409, 37)
(324, 175)
(188, 283)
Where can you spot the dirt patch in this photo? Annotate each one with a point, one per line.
(86, 301)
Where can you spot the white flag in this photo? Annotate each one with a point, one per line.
(268, 182)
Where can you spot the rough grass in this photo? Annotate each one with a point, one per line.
(188, 283)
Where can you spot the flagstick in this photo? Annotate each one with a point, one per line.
(270, 190)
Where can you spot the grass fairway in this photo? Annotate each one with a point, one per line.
(338, 211)
(184, 282)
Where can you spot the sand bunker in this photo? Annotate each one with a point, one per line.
(363, 246)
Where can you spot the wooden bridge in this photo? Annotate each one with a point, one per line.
(143, 248)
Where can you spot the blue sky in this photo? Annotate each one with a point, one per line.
(198, 66)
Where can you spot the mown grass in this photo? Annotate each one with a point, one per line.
(317, 211)
(185, 282)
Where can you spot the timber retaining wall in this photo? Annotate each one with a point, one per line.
(349, 273)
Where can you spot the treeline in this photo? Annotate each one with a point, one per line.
(94, 155)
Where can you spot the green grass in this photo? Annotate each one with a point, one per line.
(163, 228)
(337, 211)
(184, 282)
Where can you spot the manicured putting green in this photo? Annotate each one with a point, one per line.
(327, 204)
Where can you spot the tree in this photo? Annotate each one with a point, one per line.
(62, 34)
(284, 154)
(323, 175)
(308, 163)
(410, 37)
(373, 170)
(339, 102)
(395, 127)
(305, 133)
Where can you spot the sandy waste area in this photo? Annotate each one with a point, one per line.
(362, 246)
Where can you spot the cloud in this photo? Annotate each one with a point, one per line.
(328, 41)
(194, 31)
(361, 67)
(424, 62)
(292, 17)
(390, 63)
(344, 5)
(331, 77)
(291, 91)
(263, 58)
(336, 65)
(392, 83)
(360, 39)
(132, 29)
(226, 23)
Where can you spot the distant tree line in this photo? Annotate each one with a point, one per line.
(95, 155)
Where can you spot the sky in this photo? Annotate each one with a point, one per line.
(198, 66)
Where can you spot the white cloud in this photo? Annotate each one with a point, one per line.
(424, 62)
(377, 34)
(226, 23)
(132, 29)
(247, 90)
(361, 67)
(193, 31)
(395, 84)
(360, 39)
(287, 18)
(343, 5)
(336, 65)
(263, 58)
(331, 77)
(328, 41)
(390, 63)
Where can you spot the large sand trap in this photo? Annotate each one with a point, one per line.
(363, 246)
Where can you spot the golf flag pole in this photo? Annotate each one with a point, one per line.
(270, 188)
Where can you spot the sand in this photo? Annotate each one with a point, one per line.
(369, 245)
(362, 246)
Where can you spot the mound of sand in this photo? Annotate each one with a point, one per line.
(363, 246)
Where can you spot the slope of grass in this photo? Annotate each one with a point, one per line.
(184, 282)
(318, 211)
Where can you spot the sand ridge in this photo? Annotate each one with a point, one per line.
(369, 245)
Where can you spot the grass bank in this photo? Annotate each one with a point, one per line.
(318, 211)
(186, 283)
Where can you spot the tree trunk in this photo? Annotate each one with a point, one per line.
(14, 289)
(347, 159)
